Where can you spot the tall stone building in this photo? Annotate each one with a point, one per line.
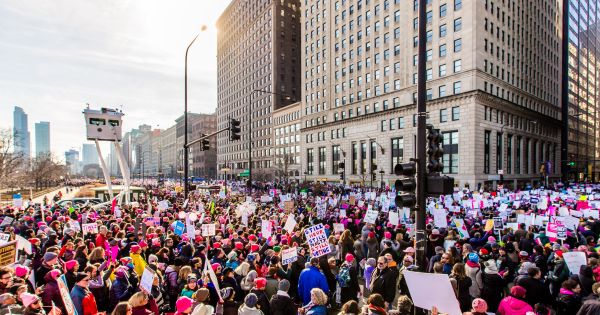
(258, 48)
(204, 165)
(493, 88)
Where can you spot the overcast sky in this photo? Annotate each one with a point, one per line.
(56, 56)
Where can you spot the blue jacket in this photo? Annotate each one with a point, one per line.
(77, 295)
(317, 310)
(311, 278)
(478, 242)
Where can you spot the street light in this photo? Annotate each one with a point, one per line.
(185, 139)
(287, 97)
(381, 172)
(305, 173)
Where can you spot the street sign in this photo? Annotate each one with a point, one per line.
(225, 170)
(500, 172)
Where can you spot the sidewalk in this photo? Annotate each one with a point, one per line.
(50, 195)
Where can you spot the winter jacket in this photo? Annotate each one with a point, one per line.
(347, 248)
(120, 291)
(271, 287)
(282, 304)
(245, 310)
(229, 282)
(311, 278)
(537, 291)
(568, 303)
(513, 306)
(474, 272)
(585, 279)
(478, 242)
(384, 283)
(372, 250)
(368, 272)
(51, 294)
(263, 301)
(148, 309)
(492, 290)
(317, 310)
(359, 249)
(70, 277)
(527, 245)
(590, 307)
(172, 280)
(83, 301)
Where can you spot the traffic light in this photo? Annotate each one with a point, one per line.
(234, 130)
(342, 165)
(434, 150)
(408, 185)
(572, 160)
(342, 175)
(373, 176)
(204, 144)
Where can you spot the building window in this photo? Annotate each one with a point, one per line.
(442, 91)
(383, 124)
(457, 87)
(457, 5)
(457, 65)
(443, 10)
(509, 154)
(401, 123)
(443, 50)
(392, 124)
(322, 161)
(397, 152)
(457, 25)
(336, 158)
(486, 152)
(526, 156)
(373, 155)
(457, 45)
(443, 115)
(354, 158)
(414, 120)
(450, 157)
(310, 161)
(363, 156)
(518, 156)
(455, 113)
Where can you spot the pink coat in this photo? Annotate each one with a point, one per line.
(512, 306)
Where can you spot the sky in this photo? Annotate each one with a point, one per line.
(56, 56)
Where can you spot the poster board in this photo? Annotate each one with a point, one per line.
(574, 261)
(90, 228)
(66, 297)
(8, 253)
(290, 224)
(561, 232)
(317, 240)
(147, 279)
(428, 290)
(289, 255)
(498, 224)
(288, 205)
(208, 229)
(4, 238)
(338, 227)
(371, 216)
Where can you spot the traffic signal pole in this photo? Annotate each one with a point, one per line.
(421, 213)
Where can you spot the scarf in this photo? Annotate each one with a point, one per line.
(377, 308)
(473, 265)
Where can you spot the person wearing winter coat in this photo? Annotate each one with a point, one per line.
(250, 306)
(372, 246)
(281, 303)
(473, 270)
(477, 241)
(537, 291)
(83, 300)
(569, 301)
(492, 286)
(229, 282)
(143, 303)
(585, 279)
(370, 266)
(351, 289)
(462, 284)
(121, 289)
(263, 300)
(229, 306)
(383, 282)
(51, 293)
(72, 268)
(407, 265)
(515, 303)
(317, 304)
(591, 304)
(311, 278)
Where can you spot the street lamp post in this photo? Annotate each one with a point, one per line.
(305, 173)
(287, 97)
(381, 172)
(185, 139)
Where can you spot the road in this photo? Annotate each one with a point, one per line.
(50, 195)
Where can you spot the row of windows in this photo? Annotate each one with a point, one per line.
(443, 118)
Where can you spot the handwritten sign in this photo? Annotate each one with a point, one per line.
(4, 238)
(208, 229)
(8, 253)
(317, 240)
(6, 221)
(289, 255)
(152, 221)
(90, 228)
(147, 279)
(338, 227)
(498, 224)
(266, 228)
(574, 261)
(66, 297)
(371, 216)
(288, 205)
(561, 232)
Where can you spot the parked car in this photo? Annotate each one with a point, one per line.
(81, 202)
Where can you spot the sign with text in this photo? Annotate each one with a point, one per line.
(208, 229)
(147, 279)
(371, 216)
(498, 224)
(561, 232)
(8, 253)
(66, 297)
(289, 255)
(90, 228)
(338, 227)
(317, 240)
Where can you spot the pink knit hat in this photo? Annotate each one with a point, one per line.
(55, 273)
(28, 298)
(387, 235)
(479, 306)
(71, 263)
(183, 304)
(349, 257)
(135, 248)
(21, 271)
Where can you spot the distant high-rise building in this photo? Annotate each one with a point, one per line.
(72, 160)
(90, 154)
(21, 132)
(42, 137)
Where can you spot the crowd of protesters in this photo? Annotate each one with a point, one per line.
(239, 268)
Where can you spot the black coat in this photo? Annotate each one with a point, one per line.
(282, 305)
(537, 291)
(351, 292)
(492, 290)
(567, 304)
(527, 245)
(590, 307)
(464, 295)
(585, 279)
(383, 282)
(263, 301)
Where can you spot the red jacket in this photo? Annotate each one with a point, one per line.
(147, 309)
(100, 241)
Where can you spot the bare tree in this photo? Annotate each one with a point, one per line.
(12, 164)
(363, 174)
(44, 168)
(285, 166)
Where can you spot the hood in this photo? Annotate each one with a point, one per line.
(48, 278)
(280, 302)
(586, 271)
(169, 269)
(515, 304)
(245, 310)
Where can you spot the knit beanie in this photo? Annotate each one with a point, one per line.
(80, 276)
(260, 282)
(183, 304)
(518, 291)
(251, 300)
(349, 257)
(254, 247)
(479, 306)
(20, 271)
(226, 293)
(28, 298)
(215, 266)
(473, 257)
(49, 256)
(201, 295)
(71, 263)
(284, 285)
(55, 273)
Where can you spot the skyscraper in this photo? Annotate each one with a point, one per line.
(72, 160)
(21, 132)
(42, 137)
(90, 154)
(258, 48)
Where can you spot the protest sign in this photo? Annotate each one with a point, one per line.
(290, 224)
(574, 261)
(338, 227)
(343, 213)
(266, 228)
(317, 240)
(498, 224)
(428, 290)
(439, 216)
(178, 227)
(147, 279)
(208, 229)
(4, 238)
(371, 216)
(8, 253)
(90, 228)
(66, 297)
(462, 229)
(288, 205)
(561, 232)
(289, 255)
(23, 244)
(152, 221)
(551, 229)
(393, 218)
(352, 200)
(6, 221)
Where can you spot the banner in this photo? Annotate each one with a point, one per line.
(289, 255)
(317, 240)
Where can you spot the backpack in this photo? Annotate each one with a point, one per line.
(343, 277)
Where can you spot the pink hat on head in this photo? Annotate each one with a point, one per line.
(55, 273)
(28, 298)
(20, 271)
(409, 250)
(491, 239)
(183, 304)
(135, 248)
(582, 248)
(349, 257)
(387, 235)
(41, 223)
(409, 258)
(71, 263)
(479, 306)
